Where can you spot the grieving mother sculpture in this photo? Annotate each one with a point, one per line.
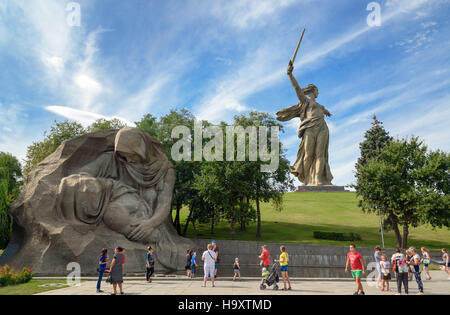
(99, 190)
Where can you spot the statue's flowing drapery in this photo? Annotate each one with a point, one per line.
(313, 131)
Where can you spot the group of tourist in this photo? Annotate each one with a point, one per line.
(404, 265)
(210, 260)
(115, 271)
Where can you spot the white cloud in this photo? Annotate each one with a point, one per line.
(248, 13)
(227, 96)
(230, 94)
(83, 117)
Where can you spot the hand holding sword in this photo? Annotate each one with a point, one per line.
(290, 68)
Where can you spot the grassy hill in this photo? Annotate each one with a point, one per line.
(305, 213)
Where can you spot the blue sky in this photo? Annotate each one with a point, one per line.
(220, 58)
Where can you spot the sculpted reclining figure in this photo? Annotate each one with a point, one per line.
(118, 181)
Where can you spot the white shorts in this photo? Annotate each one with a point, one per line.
(209, 271)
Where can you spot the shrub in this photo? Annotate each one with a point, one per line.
(11, 276)
(334, 236)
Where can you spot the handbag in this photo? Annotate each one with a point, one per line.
(108, 279)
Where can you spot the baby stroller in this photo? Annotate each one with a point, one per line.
(272, 279)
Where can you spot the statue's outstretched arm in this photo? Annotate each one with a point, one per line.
(326, 112)
(298, 90)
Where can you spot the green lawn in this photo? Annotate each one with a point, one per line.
(32, 287)
(305, 213)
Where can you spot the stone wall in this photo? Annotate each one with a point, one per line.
(306, 261)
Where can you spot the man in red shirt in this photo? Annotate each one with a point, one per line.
(265, 257)
(356, 262)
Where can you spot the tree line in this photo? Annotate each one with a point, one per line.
(401, 179)
(212, 191)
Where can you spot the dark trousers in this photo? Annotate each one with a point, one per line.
(402, 278)
(100, 277)
(419, 280)
(149, 272)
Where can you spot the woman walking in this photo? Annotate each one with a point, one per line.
(446, 260)
(415, 263)
(284, 263)
(117, 269)
(150, 265)
(426, 262)
(377, 256)
(188, 263)
(102, 262)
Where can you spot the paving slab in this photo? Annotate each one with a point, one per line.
(439, 285)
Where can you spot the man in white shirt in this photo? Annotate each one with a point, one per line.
(209, 258)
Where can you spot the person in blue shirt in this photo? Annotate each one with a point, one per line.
(102, 262)
(193, 264)
(150, 264)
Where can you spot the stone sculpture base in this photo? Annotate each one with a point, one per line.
(321, 189)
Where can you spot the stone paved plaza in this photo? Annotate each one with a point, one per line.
(225, 286)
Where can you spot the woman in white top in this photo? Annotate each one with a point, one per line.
(446, 259)
(209, 258)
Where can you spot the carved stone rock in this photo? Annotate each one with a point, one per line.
(101, 190)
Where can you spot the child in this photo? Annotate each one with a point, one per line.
(193, 265)
(358, 269)
(385, 273)
(150, 264)
(408, 258)
(237, 269)
(426, 262)
(265, 274)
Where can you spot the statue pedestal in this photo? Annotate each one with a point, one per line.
(321, 189)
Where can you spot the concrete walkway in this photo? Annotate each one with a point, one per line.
(225, 286)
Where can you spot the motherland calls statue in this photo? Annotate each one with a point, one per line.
(97, 191)
(311, 167)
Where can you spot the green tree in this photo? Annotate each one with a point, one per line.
(262, 186)
(59, 132)
(10, 181)
(104, 124)
(408, 185)
(234, 188)
(375, 139)
(161, 129)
